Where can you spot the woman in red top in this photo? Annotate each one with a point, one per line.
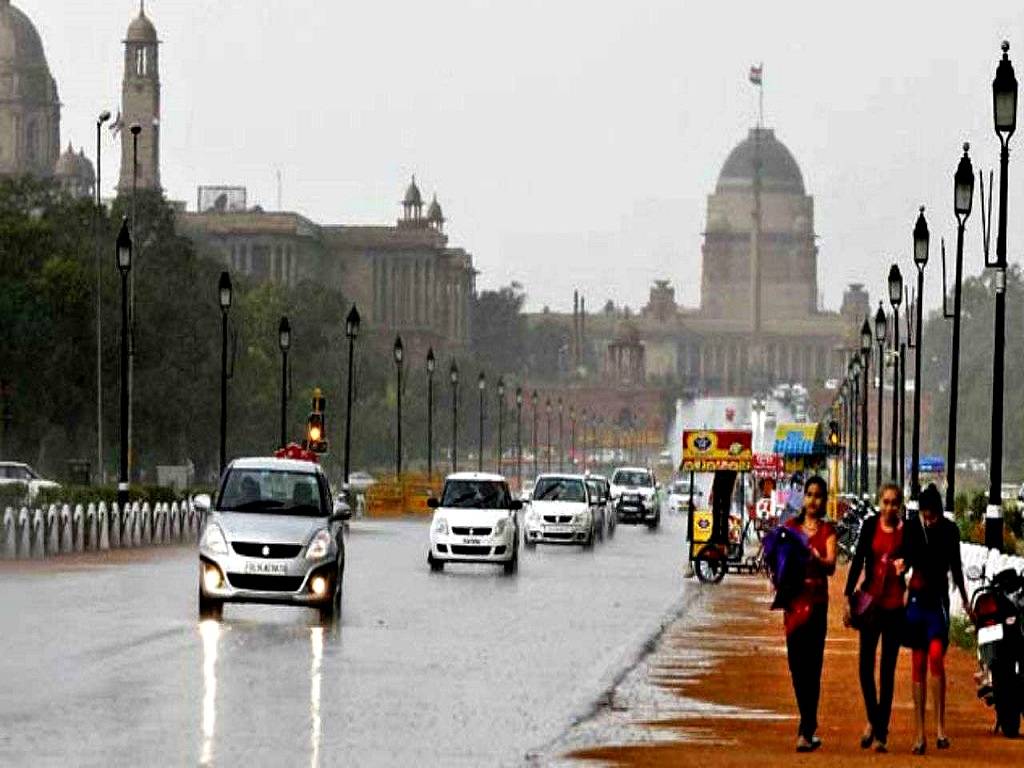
(806, 616)
(879, 557)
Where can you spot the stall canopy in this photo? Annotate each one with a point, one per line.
(711, 450)
(799, 440)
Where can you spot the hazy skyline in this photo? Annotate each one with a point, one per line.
(566, 133)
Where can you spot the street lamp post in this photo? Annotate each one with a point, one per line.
(844, 429)
(572, 438)
(135, 129)
(547, 408)
(561, 438)
(536, 446)
(398, 350)
(865, 365)
(431, 364)
(880, 334)
(519, 436)
(895, 299)
(224, 296)
(1004, 101)
(284, 341)
(921, 241)
(124, 266)
(351, 332)
(501, 422)
(963, 199)
(97, 215)
(481, 385)
(453, 375)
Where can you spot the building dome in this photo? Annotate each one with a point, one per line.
(779, 170)
(434, 212)
(141, 29)
(75, 165)
(412, 194)
(21, 53)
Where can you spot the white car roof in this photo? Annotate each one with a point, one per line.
(13, 464)
(561, 476)
(476, 476)
(633, 469)
(272, 463)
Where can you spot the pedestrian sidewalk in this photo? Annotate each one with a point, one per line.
(739, 707)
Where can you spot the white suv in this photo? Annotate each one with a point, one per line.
(474, 522)
(14, 472)
(635, 496)
(560, 512)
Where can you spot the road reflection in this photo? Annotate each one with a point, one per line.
(209, 631)
(316, 642)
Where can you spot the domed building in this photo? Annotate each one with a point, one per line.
(75, 173)
(29, 105)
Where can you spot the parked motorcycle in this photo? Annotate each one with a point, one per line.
(998, 608)
(854, 511)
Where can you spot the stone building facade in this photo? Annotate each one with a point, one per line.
(404, 278)
(29, 104)
(140, 105)
(759, 321)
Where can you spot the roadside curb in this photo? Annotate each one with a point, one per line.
(637, 651)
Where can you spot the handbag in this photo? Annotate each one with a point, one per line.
(863, 609)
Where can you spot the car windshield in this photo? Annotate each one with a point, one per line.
(278, 492)
(476, 494)
(633, 479)
(559, 489)
(681, 488)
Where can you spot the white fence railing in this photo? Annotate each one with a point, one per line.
(36, 533)
(991, 560)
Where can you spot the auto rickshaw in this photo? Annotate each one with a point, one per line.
(727, 455)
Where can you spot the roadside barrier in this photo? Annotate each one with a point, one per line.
(394, 497)
(60, 529)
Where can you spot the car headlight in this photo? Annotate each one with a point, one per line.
(214, 540)
(532, 516)
(582, 518)
(320, 545)
(500, 527)
(441, 526)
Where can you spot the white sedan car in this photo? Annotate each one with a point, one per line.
(474, 522)
(560, 512)
(14, 473)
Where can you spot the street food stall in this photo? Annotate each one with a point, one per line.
(802, 447)
(716, 534)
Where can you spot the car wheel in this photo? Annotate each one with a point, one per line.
(653, 524)
(528, 542)
(435, 564)
(588, 543)
(210, 608)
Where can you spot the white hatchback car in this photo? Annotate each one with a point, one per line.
(560, 512)
(474, 522)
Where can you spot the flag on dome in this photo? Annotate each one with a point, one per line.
(755, 73)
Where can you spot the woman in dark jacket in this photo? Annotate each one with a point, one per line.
(933, 554)
(879, 557)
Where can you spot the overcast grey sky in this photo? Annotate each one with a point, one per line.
(571, 143)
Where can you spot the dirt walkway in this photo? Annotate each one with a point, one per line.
(748, 674)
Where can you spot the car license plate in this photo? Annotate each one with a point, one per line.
(262, 567)
(470, 540)
(557, 529)
(990, 634)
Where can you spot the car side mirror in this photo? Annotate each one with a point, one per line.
(201, 502)
(433, 503)
(517, 505)
(342, 511)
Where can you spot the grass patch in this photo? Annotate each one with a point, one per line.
(961, 633)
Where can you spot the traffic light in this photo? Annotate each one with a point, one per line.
(316, 428)
(834, 437)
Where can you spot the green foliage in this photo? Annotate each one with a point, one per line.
(961, 633)
(13, 494)
(93, 494)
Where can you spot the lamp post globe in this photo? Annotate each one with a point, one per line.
(1004, 96)
(431, 360)
(124, 247)
(398, 350)
(284, 334)
(963, 185)
(895, 282)
(352, 323)
(921, 239)
(224, 291)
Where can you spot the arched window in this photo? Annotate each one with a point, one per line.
(141, 62)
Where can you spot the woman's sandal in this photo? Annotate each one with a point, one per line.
(867, 738)
(942, 743)
(917, 749)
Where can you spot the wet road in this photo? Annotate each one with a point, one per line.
(107, 664)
